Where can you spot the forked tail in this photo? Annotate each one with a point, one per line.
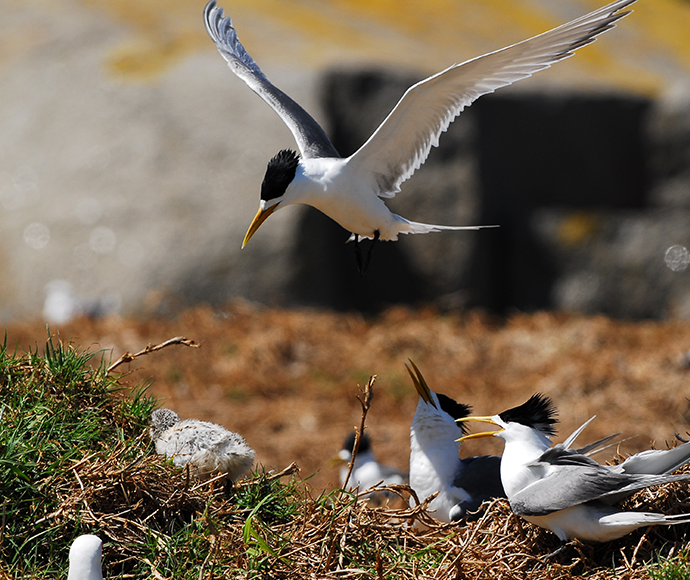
(408, 227)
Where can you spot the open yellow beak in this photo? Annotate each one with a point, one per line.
(260, 217)
(420, 383)
(479, 435)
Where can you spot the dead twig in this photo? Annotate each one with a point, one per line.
(365, 401)
(128, 357)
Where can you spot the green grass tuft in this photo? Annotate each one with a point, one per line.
(56, 409)
(672, 568)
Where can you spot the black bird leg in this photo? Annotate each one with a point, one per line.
(358, 256)
(555, 553)
(377, 234)
(362, 262)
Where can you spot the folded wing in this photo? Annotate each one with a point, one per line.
(573, 479)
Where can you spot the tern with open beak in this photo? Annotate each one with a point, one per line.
(351, 190)
(462, 484)
(564, 490)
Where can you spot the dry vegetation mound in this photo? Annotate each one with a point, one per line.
(76, 459)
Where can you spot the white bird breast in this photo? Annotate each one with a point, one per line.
(347, 196)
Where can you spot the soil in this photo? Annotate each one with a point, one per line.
(287, 380)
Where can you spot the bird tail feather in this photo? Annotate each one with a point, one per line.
(409, 227)
(657, 461)
(635, 520)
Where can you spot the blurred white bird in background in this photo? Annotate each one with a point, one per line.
(367, 472)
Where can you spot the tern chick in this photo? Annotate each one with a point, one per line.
(207, 448)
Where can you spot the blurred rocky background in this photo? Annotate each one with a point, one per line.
(131, 159)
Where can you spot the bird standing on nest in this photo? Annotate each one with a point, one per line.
(351, 190)
(462, 484)
(85, 558)
(565, 491)
(206, 447)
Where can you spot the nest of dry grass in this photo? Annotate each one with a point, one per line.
(145, 506)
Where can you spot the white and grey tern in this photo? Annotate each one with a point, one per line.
(351, 190)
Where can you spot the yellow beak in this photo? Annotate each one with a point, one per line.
(479, 435)
(420, 383)
(335, 461)
(260, 217)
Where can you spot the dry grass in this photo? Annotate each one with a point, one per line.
(287, 382)
(141, 506)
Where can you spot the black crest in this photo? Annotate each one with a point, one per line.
(538, 412)
(364, 443)
(279, 173)
(454, 409)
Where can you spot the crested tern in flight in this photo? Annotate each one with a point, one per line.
(350, 190)
(208, 448)
(367, 472)
(565, 491)
(462, 484)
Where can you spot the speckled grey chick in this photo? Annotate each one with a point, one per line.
(207, 448)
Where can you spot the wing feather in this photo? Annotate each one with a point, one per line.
(310, 137)
(573, 479)
(402, 142)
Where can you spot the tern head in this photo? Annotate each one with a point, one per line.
(537, 414)
(344, 456)
(161, 421)
(280, 172)
(437, 403)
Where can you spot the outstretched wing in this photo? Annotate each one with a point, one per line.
(311, 138)
(402, 142)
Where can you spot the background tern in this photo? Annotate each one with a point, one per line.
(567, 492)
(350, 190)
(462, 484)
(367, 472)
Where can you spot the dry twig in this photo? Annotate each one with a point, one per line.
(365, 401)
(128, 357)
